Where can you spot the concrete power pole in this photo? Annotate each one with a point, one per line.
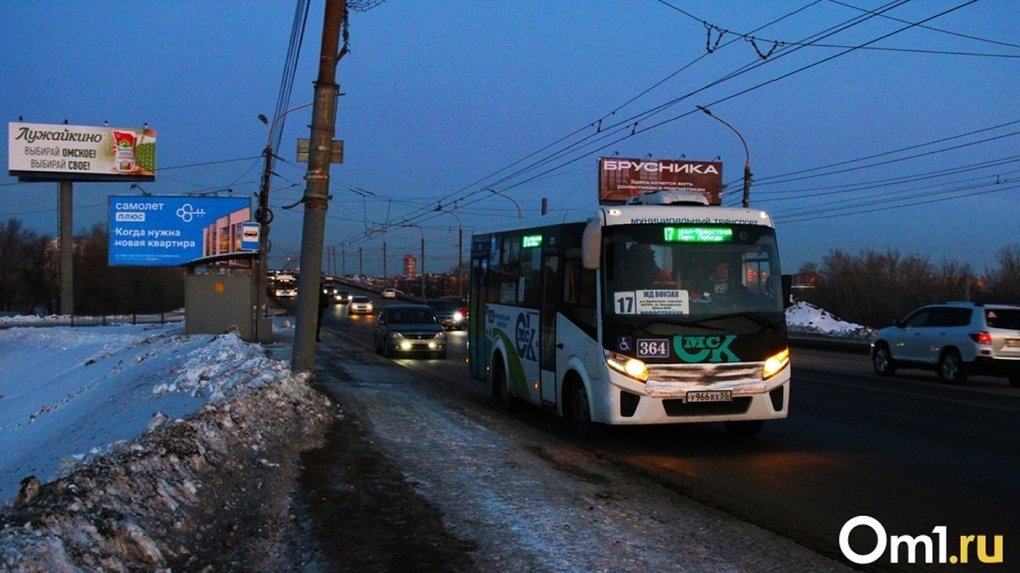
(316, 198)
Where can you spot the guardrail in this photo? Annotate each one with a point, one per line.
(112, 320)
(853, 345)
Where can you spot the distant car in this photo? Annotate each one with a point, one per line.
(389, 293)
(360, 305)
(954, 340)
(332, 291)
(409, 329)
(462, 304)
(285, 291)
(448, 312)
(343, 297)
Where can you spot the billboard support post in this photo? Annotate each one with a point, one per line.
(66, 248)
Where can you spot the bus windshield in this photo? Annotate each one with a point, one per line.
(689, 270)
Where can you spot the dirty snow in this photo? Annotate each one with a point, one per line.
(105, 433)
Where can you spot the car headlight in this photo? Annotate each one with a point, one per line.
(628, 366)
(440, 336)
(457, 316)
(774, 364)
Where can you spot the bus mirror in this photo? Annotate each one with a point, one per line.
(787, 291)
(591, 244)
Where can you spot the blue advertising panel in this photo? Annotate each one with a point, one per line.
(163, 231)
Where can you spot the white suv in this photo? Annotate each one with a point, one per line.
(954, 339)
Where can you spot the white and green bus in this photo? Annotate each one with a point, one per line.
(659, 311)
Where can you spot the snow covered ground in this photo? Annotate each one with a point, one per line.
(121, 398)
(70, 393)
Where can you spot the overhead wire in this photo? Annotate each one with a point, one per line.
(620, 126)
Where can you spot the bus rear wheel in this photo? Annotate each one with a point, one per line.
(501, 386)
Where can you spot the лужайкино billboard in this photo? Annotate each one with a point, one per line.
(46, 152)
(160, 231)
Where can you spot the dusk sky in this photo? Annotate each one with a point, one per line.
(897, 129)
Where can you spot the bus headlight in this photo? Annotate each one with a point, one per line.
(631, 367)
(774, 364)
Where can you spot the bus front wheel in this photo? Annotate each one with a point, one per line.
(744, 429)
(578, 412)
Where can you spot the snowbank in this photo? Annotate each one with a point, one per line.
(805, 318)
(154, 451)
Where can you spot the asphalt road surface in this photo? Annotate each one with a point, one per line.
(909, 451)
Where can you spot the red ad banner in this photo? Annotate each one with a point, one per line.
(621, 178)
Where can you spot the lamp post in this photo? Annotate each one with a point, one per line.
(264, 216)
(460, 251)
(746, 201)
(507, 197)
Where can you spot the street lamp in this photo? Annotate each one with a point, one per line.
(264, 216)
(460, 251)
(507, 197)
(746, 202)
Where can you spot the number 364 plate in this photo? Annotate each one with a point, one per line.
(710, 396)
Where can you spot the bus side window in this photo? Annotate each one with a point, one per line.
(579, 292)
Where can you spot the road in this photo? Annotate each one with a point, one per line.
(910, 451)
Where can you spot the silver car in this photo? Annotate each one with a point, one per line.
(953, 339)
(405, 329)
(360, 305)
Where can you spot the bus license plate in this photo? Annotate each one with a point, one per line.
(710, 396)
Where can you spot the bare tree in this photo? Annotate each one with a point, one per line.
(26, 275)
(1004, 283)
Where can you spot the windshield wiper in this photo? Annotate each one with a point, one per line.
(755, 316)
(646, 326)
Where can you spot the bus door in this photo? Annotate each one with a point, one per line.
(552, 294)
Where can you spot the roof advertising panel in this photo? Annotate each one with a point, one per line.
(157, 231)
(621, 178)
(43, 152)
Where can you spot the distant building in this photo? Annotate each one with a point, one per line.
(410, 266)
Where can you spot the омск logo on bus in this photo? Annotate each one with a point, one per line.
(525, 337)
(700, 348)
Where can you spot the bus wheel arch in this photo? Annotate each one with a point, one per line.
(499, 379)
(577, 407)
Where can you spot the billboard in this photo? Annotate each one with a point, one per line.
(44, 152)
(160, 231)
(621, 178)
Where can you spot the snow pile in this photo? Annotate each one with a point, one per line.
(164, 447)
(805, 318)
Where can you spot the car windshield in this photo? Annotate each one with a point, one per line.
(411, 316)
(360, 299)
(442, 305)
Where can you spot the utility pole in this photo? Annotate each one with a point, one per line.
(263, 327)
(316, 198)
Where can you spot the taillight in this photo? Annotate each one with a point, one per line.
(981, 337)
